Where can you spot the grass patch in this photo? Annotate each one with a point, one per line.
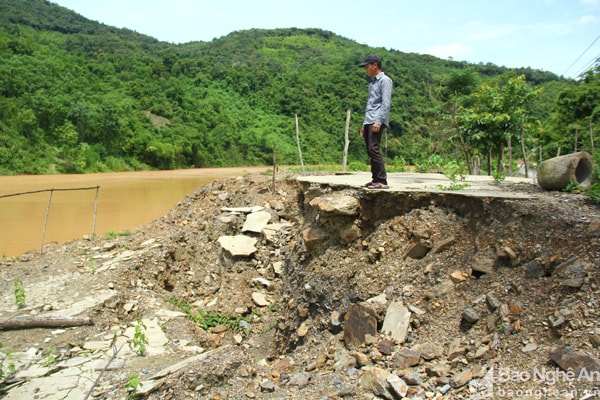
(207, 320)
(114, 235)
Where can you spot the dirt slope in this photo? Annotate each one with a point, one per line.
(524, 270)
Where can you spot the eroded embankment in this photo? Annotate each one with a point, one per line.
(360, 244)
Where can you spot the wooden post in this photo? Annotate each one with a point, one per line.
(298, 142)
(95, 212)
(46, 221)
(524, 153)
(510, 155)
(274, 167)
(346, 141)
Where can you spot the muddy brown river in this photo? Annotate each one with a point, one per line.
(124, 200)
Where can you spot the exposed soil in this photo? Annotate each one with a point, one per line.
(527, 268)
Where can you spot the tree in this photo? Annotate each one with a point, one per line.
(495, 118)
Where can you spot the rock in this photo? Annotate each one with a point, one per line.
(350, 232)
(595, 340)
(429, 351)
(483, 350)
(313, 236)
(461, 378)
(567, 359)
(375, 380)
(343, 360)
(267, 386)
(260, 299)
(270, 231)
(412, 378)
(397, 385)
(503, 259)
(482, 264)
(470, 315)
(529, 347)
(361, 359)
(278, 268)
(359, 321)
(300, 380)
(444, 287)
(438, 370)
(455, 350)
(406, 358)
(385, 347)
(256, 221)
(238, 245)
(444, 244)
(534, 270)
(493, 301)
(575, 283)
(262, 282)
(337, 203)
(335, 318)
(593, 230)
(396, 322)
(303, 329)
(458, 276)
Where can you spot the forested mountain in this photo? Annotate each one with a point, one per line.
(80, 96)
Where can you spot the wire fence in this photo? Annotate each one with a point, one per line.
(52, 190)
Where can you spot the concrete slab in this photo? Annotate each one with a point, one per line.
(479, 186)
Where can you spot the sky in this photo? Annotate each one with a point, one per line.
(560, 36)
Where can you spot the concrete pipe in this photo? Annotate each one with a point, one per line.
(556, 173)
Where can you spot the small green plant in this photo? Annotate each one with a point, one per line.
(10, 368)
(50, 357)
(502, 327)
(594, 193)
(114, 235)
(455, 172)
(91, 263)
(499, 176)
(571, 187)
(139, 338)
(398, 164)
(19, 293)
(132, 386)
(207, 320)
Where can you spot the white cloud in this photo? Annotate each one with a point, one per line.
(588, 19)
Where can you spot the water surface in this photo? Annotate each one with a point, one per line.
(125, 200)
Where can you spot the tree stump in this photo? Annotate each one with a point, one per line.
(556, 173)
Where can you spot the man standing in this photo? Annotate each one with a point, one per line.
(377, 118)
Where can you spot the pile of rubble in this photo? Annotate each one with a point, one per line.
(311, 291)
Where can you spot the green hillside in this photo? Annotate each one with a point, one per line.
(79, 96)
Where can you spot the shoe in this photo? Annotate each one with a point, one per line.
(377, 185)
(369, 184)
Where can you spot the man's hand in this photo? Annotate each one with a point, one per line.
(362, 132)
(375, 128)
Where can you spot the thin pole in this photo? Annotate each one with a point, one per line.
(95, 209)
(46, 221)
(274, 166)
(298, 142)
(346, 141)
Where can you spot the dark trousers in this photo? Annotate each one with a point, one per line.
(373, 143)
